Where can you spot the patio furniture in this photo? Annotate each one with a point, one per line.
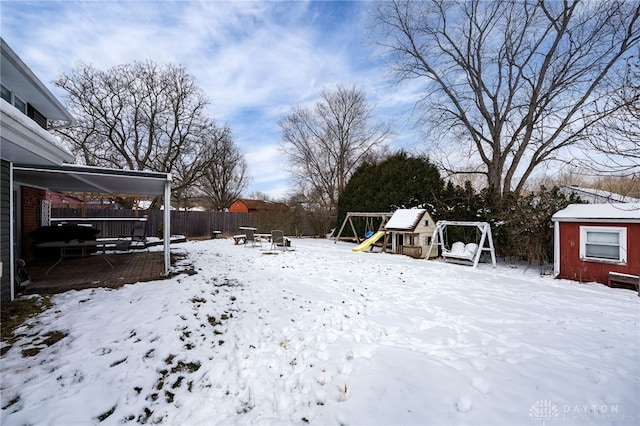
(75, 248)
(250, 237)
(462, 251)
(279, 240)
(61, 234)
(139, 235)
(137, 239)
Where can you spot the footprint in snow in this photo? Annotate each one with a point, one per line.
(464, 404)
(480, 384)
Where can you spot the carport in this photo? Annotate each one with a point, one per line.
(86, 179)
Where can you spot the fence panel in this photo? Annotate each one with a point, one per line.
(191, 224)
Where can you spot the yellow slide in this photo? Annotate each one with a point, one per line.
(366, 243)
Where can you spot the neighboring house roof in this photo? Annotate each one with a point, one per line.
(254, 204)
(599, 195)
(612, 212)
(60, 198)
(405, 220)
(261, 204)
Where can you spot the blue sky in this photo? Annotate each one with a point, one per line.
(255, 60)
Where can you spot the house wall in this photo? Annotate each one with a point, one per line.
(31, 199)
(5, 230)
(571, 267)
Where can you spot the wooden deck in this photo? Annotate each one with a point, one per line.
(93, 271)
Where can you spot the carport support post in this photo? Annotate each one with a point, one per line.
(12, 238)
(167, 224)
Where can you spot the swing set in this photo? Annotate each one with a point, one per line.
(459, 251)
(370, 220)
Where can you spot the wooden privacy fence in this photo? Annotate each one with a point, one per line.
(200, 224)
(190, 224)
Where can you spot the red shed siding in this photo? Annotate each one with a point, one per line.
(573, 268)
(238, 206)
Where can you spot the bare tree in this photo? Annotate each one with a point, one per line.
(224, 179)
(618, 135)
(325, 144)
(516, 82)
(141, 116)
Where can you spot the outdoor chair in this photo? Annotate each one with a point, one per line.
(139, 235)
(123, 244)
(250, 237)
(137, 239)
(278, 240)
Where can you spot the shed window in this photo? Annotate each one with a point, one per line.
(603, 243)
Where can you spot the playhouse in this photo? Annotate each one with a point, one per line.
(598, 242)
(411, 232)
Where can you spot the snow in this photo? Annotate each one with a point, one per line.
(599, 211)
(323, 335)
(9, 110)
(405, 219)
(601, 194)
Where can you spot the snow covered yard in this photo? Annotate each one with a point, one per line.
(322, 335)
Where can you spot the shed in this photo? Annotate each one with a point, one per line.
(411, 231)
(244, 205)
(248, 206)
(594, 242)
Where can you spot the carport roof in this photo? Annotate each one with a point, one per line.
(74, 178)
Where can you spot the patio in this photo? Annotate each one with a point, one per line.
(93, 271)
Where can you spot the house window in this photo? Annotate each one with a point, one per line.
(10, 97)
(20, 104)
(6, 94)
(603, 244)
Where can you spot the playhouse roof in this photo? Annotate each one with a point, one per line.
(627, 212)
(405, 219)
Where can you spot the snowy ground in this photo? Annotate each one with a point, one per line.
(322, 335)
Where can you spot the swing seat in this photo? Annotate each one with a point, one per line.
(462, 251)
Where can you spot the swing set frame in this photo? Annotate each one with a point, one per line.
(486, 237)
(368, 216)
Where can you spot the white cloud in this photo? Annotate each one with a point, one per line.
(255, 60)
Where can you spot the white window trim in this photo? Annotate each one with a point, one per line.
(10, 94)
(16, 97)
(622, 232)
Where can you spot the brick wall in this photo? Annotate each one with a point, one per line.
(31, 198)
